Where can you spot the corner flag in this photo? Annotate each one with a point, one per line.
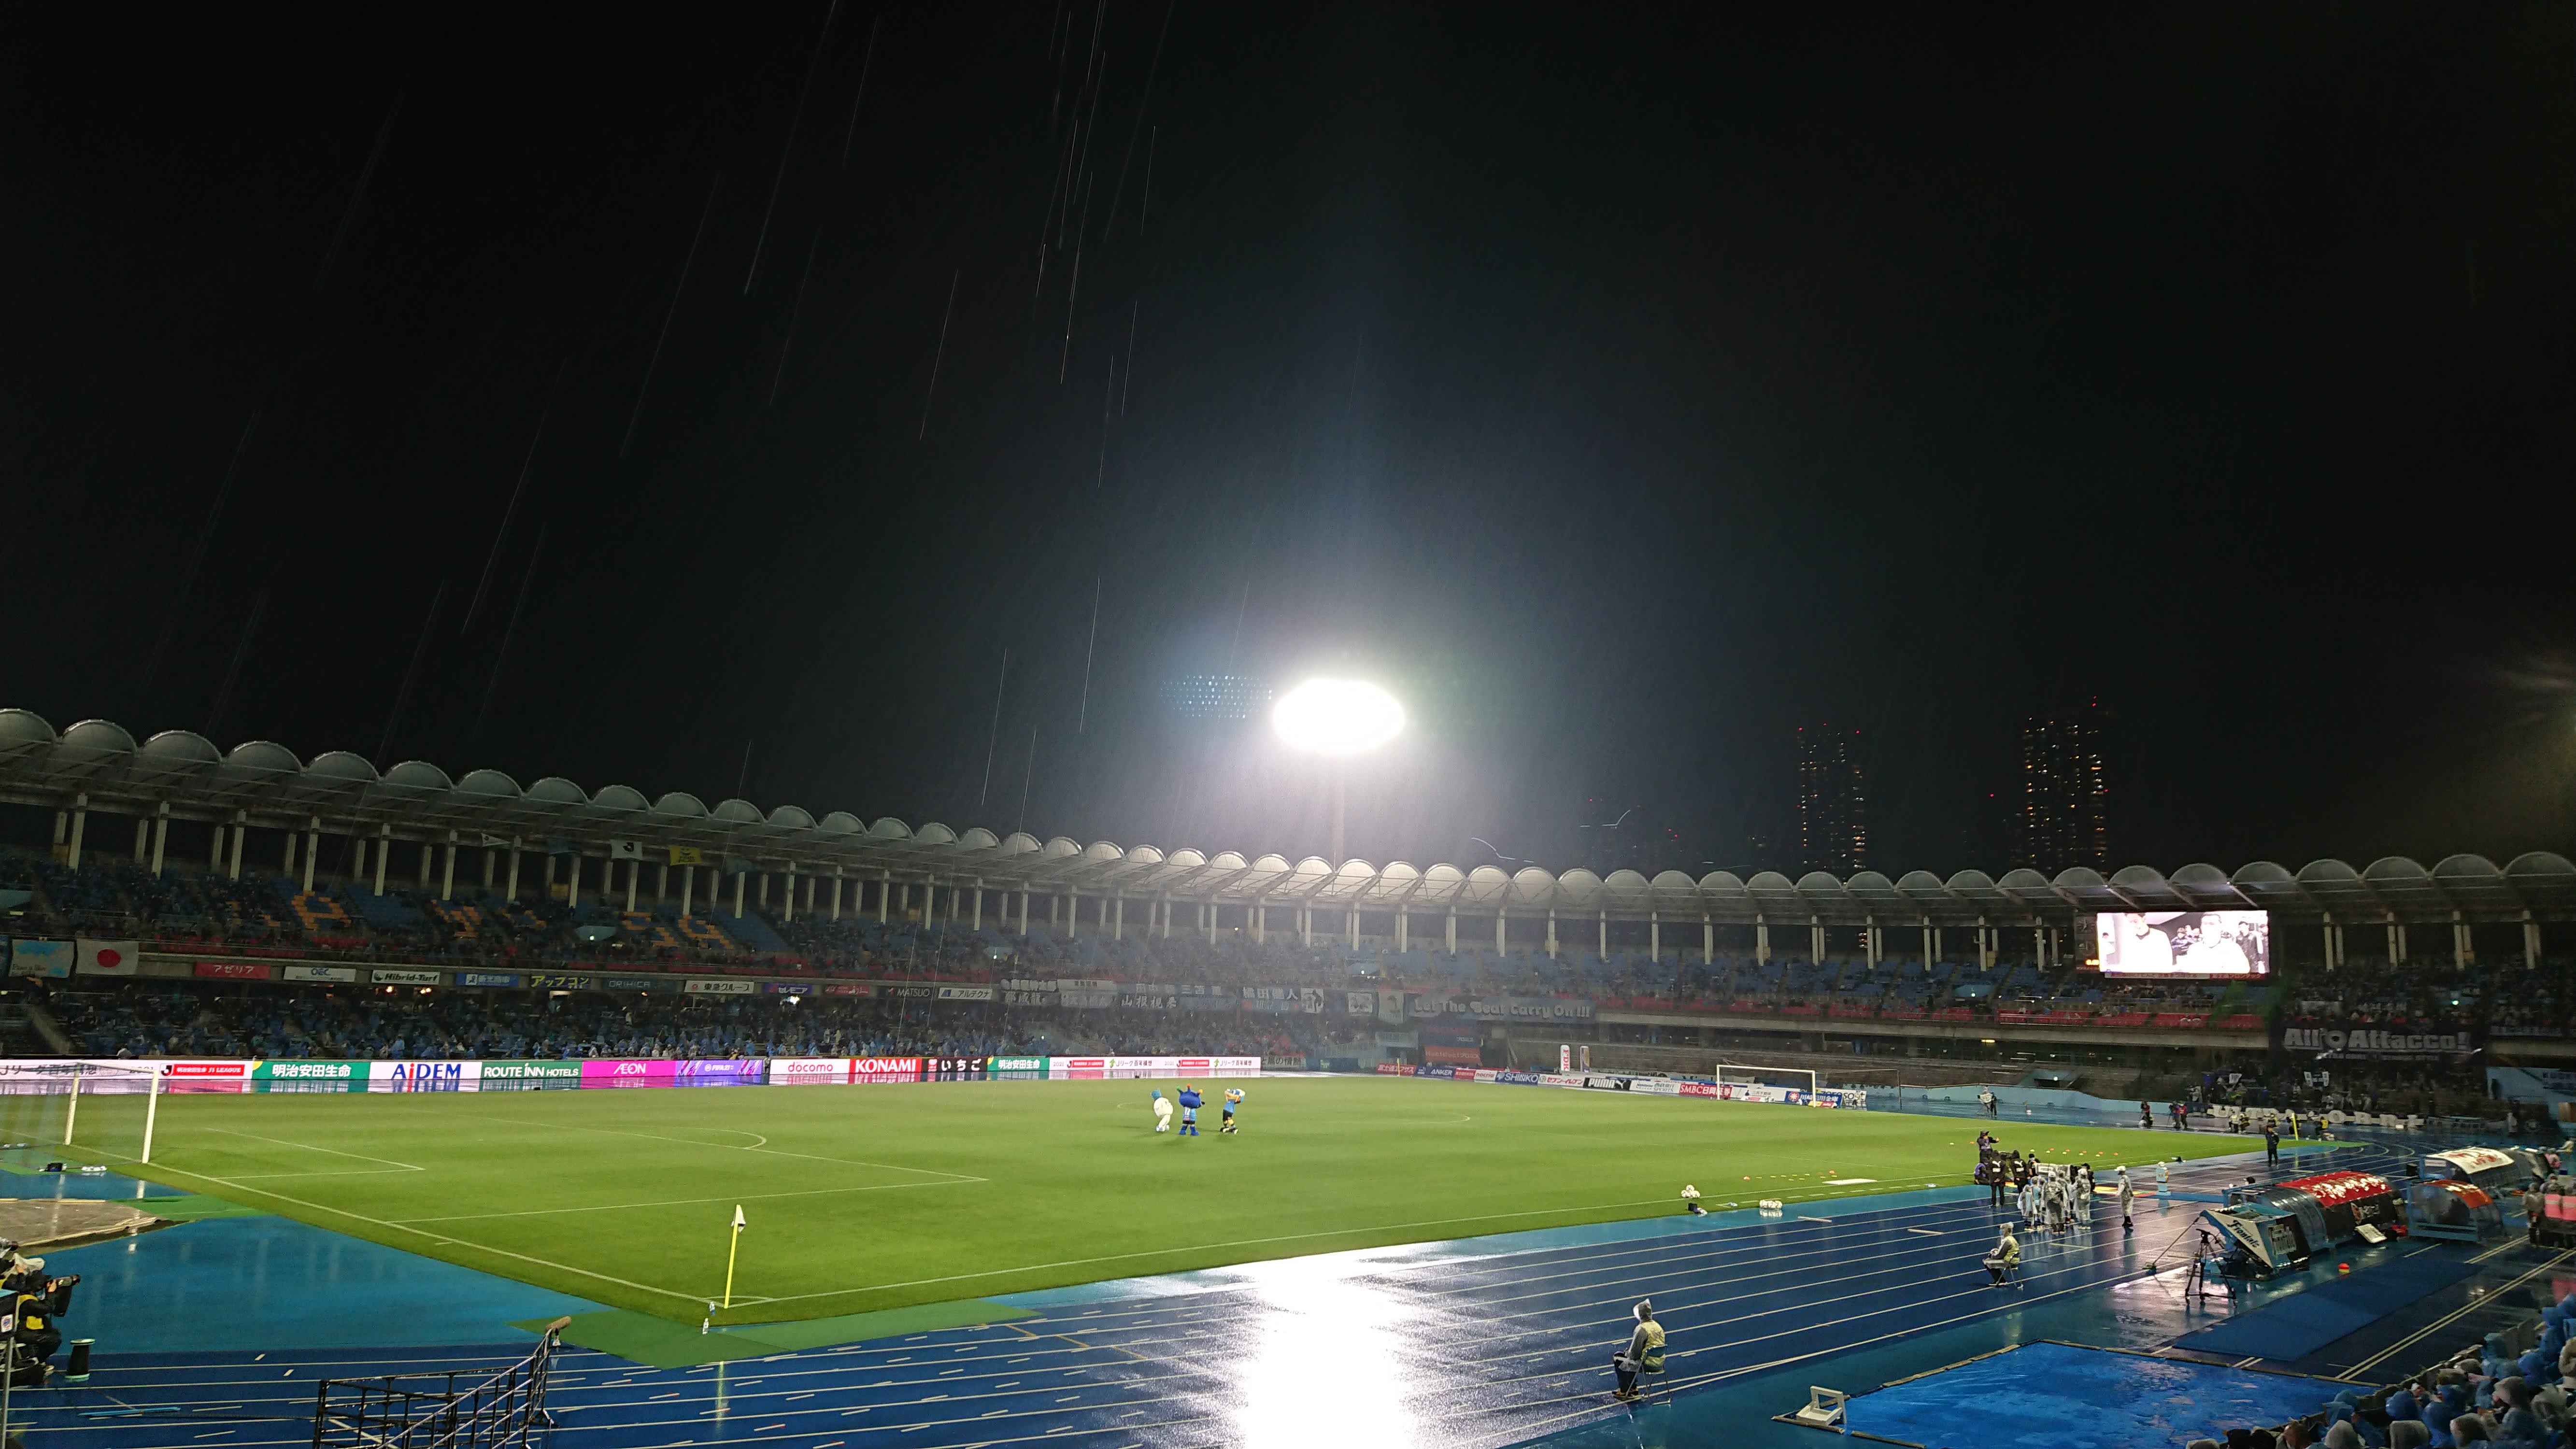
(733, 1244)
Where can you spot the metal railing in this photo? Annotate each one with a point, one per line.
(502, 1412)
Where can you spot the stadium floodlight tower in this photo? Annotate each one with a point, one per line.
(1337, 718)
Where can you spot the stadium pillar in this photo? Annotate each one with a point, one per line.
(1502, 932)
(764, 890)
(1055, 919)
(790, 915)
(2463, 946)
(1927, 947)
(1551, 933)
(491, 867)
(1355, 928)
(1261, 923)
(312, 847)
(1601, 946)
(447, 870)
(160, 834)
(286, 854)
(1453, 930)
(978, 923)
(836, 893)
(1305, 924)
(80, 827)
(428, 852)
(241, 827)
(810, 883)
(511, 892)
(2039, 944)
(2396, 941)
(885, 887)
(384, 848)
(1655, 935)
(737, 893)
(634, 871)
(688, 889)
(662, 884)
(214, 855)
(1118, 925)
(1403, 936)
(1707, 941)
(142, 833)
(2530, 941)
(1208, 913)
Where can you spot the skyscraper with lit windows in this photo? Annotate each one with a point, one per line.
(1833, 801)
(2064, 815)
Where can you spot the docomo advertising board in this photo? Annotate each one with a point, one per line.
(2183, 943)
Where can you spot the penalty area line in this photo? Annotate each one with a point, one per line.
(610, 1207)
(732, 1147)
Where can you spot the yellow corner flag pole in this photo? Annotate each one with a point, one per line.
(731, 1248)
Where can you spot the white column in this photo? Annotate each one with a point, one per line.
(214, 856)
(286, 853)
(1355, 928)
(1260, 922)
(384, 850)
(1305, 924)
(2462, 949)
(634, 873)
(1927, 948)
(428, 852)
(978, 923)
(241, 828)
(80, 827)
(142, 836)
(688, 888)
(1707, 941)
(662, 884)
(447, 874)
(2530, 941)
(810, 883)
(1453, 931)
(1655, 934)
(160, 834)
(312, 847)
(737, 893)
(885, 888)
(791, 893)
(1502, 939)
(510, 892)
(1118, 923)
(491, 867)
(836, 893)
(1210, 909)
(572, 891)
(1601, 935)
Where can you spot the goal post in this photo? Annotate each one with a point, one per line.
(1802, 1078)
(103, 1108)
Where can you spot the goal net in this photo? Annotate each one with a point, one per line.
(1800, 1078)
(98, 1113)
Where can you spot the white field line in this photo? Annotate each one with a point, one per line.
(610, 1207)
(423, 1233)
(723, 1147)
(309, 1147)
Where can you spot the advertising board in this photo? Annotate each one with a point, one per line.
(627, 1072)
(528, 1076)
(41, 958)
(737, 1072)
(807, 1071)
(223, 970)
(308, 1076)
(885, 1070)
(498, 980)
(317, 973)
(389, 976)
(722, 988)
(424, 1076)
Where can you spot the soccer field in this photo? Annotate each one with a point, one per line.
(874, 1197)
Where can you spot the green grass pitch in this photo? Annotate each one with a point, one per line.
(875, 1197)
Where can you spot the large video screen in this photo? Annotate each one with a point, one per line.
(2184, 943)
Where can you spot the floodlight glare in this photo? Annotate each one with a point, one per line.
(1337, 716)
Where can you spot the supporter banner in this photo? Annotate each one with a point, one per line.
(1283, 999)
(2525, 1030)
(885, 1069)
(965, 993)
(2333, 1039)
(562, 981)
(639, 983)
(1158, 999)
(1028, 987)
(849, 988)
(1083, 983)
(1086, 1000)
(108, 958)
(318, 973)
(1456, 1056)
(223, 970)
(743, 1072)
(1013, 996)
(1504, 1008)
(803, 1071)
(41, 958)
(1390, 1008)
(722, 988)
(529, 1075)
(627, 1073)
(385, 976)
(1359, 1003)
(500, 979)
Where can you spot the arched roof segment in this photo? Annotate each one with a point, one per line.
(265, 783)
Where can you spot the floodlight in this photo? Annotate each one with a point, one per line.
(1337, 716)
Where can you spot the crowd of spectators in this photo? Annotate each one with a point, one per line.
(2487, 1393)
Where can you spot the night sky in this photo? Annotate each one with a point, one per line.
(1623, 388)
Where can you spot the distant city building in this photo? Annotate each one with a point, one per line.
(1215, 696)
(2064, 819)
(1833, 801)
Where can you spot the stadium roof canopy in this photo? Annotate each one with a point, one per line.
(99, 765)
